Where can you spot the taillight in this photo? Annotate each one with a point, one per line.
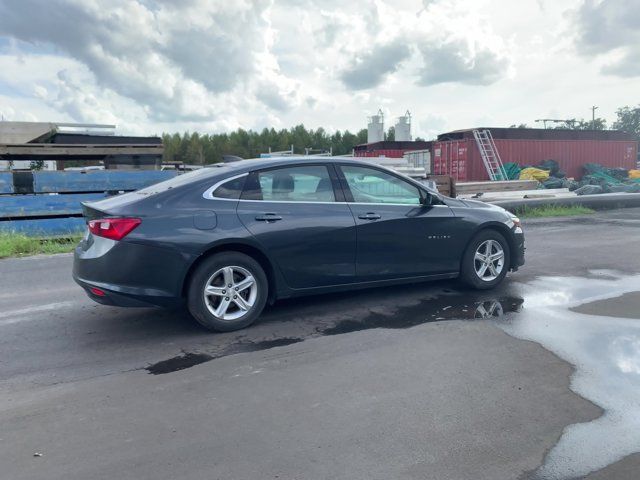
(113, 228)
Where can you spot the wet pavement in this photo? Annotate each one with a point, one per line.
(591, 323)
(443, 305)
(424, 381)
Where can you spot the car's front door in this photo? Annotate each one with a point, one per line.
(294, 214)
(397, 235)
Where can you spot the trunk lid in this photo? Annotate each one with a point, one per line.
(111, 206)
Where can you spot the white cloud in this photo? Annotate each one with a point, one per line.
(460, 45)
(611, 28)
(369, 68)
(172, 59)
(459, 61)
(161, 65)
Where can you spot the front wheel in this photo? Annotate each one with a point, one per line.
(227, 292)
(486, 260)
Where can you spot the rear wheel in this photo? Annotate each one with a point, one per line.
(486, 260)
(227, 292)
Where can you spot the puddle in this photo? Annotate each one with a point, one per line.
(445, 307)
(180, 362)
(448, 306)
(582, 321)
(190, 359)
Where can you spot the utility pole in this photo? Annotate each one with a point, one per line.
(593, 116)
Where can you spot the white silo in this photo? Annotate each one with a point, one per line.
(375, 129)
(403, 128)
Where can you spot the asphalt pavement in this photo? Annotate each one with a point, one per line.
(401, 382)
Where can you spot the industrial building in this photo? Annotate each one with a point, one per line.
(389, 148)
(53, 146)
(413, 154)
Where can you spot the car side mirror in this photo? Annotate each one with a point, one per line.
(425, 198)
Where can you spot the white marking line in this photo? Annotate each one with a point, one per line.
(14, 316)
(19, 294)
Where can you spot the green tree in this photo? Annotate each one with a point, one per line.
(628, 120)
(582, 124)
(197, 148)
(391, 134)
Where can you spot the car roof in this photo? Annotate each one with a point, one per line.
(247, 165)
(284, 159)
(222, 170)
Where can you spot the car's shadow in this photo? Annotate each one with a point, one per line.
(328, 314)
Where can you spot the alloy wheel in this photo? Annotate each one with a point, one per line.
(488, 260)
(230, 292)
(489, 309)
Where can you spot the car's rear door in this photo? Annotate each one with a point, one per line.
(298, 215)
(397, 235)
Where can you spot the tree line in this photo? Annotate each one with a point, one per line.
(199, 149)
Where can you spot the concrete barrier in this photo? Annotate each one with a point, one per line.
(602, 201)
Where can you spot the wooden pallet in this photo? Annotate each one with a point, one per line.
(446, 184)
(470, 188)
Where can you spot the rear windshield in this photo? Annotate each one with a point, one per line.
(180, 180)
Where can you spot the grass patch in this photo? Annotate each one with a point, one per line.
(17, 244)
(554, 211)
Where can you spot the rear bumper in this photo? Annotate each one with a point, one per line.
(131, 297)
(129, 274)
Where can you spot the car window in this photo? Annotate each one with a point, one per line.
(369, 185)
(231, 189)
(178, 181)
(290, 184)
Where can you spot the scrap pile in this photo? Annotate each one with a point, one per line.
(597, 179)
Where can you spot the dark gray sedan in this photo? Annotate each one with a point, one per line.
(230, 238)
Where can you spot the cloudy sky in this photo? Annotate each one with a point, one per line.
(211, 65)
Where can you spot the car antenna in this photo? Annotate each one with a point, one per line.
(231, 158)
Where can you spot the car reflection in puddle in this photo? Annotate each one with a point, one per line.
(489, 309)
(448, 306)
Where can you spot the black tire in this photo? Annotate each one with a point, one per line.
(197, 304)
(468, 274)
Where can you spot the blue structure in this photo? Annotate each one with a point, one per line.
(53, 205)
(6, 182)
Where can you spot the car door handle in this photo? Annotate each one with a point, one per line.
(369, 216)
(268, 217)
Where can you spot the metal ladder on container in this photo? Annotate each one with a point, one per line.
(490, 155)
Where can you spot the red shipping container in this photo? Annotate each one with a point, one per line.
(460, 157)
(390, 148)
